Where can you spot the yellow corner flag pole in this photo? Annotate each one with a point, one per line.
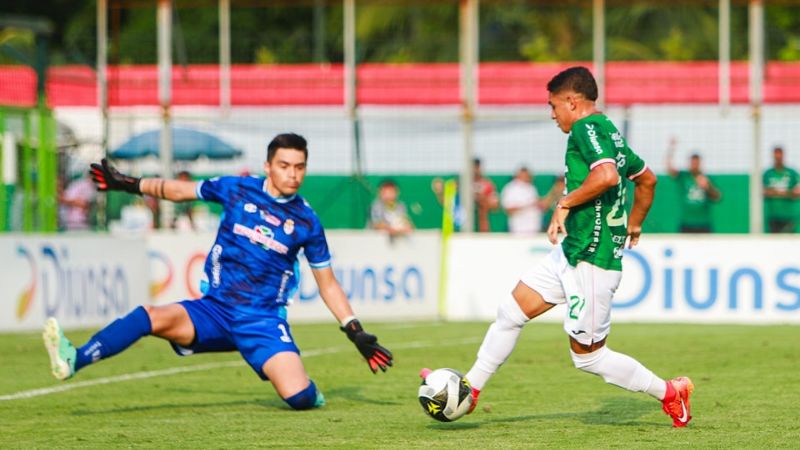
(448, 227)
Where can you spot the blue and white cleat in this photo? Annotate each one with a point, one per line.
(320, 401)
(62, 352)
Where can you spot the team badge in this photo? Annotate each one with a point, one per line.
(288, 226)
(249, 207)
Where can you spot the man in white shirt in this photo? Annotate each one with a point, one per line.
(521, 203)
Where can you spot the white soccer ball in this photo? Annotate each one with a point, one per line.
(445, 395)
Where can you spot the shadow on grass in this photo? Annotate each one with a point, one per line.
(353, 394)
(350, 393)
(616, 411)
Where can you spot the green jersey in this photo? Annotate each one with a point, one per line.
(782, 180)
(597, 229)
(695, 202)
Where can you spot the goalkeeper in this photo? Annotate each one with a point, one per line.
(251, 276)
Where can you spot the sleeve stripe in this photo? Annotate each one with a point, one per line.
(602, 161)
(197, 189)
(638, 173)
(320, 265)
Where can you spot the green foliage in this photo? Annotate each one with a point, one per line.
(744, 393)
(399, 32)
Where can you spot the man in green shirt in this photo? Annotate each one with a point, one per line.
(696, 194)
(781, 190)
(585, 270)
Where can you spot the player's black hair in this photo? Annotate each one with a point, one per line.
(695, 155)
(578, 79)
(387, 182)
(287, 140)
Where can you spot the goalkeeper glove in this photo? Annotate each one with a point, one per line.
(108, 178)
(377, 356)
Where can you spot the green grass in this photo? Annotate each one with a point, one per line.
(746, 394)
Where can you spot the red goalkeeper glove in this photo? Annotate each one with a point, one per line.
(108, 178)
(376, 355)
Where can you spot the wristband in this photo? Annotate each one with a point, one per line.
(347, 320)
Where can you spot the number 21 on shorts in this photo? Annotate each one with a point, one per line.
(576, 305)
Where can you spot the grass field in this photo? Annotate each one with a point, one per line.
(747, 394)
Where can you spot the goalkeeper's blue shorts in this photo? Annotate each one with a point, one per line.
(219, 327)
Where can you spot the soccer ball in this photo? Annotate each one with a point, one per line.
(445, 395)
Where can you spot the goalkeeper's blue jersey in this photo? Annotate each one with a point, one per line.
(253, 260)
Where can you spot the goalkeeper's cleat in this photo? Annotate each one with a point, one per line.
(676, 401)
(475, 393)
(62, 352)
(320, 401)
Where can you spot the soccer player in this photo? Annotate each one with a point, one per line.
(251, 276)
(696, 192)
(585, 270)
(781, 189)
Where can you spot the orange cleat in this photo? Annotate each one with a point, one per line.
(676, 402)
(475, 393)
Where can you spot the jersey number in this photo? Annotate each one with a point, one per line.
(285, 335)
(611, 218)
(575, 303)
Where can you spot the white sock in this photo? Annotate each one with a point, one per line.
(621, 370)
(499, 342)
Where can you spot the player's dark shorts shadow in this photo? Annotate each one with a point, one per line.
(617, 411)
(354, 394)
(172, 406)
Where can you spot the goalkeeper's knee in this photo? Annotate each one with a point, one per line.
(308, 398)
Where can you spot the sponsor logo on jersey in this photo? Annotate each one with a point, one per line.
(288, 226)
(216, 266)
(270, 219)
(261, 235)
(619, 142)
(590, 131)
(249, 207)
(621, 161)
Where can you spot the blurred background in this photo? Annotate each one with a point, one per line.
(405, 90)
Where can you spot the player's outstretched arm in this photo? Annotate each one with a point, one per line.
(377, 356)
(107, 178)
(643, 194)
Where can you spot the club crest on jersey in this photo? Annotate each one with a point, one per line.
(288, 226)
(249, 207)
(270, 219)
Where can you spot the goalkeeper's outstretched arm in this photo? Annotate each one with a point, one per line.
(107, 178)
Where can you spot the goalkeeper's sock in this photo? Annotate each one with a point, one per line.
(114, 338)
(498, 343)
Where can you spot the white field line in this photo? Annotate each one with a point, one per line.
(201, 367)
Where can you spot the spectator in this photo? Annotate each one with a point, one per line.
(696, 193)
(781, 190)
(389, 214)
(485, 196)
(183, 218)
(521, 203)
(76, 201)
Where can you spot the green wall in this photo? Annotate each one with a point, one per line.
(343, 202)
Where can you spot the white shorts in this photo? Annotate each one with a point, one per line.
(586, 290)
